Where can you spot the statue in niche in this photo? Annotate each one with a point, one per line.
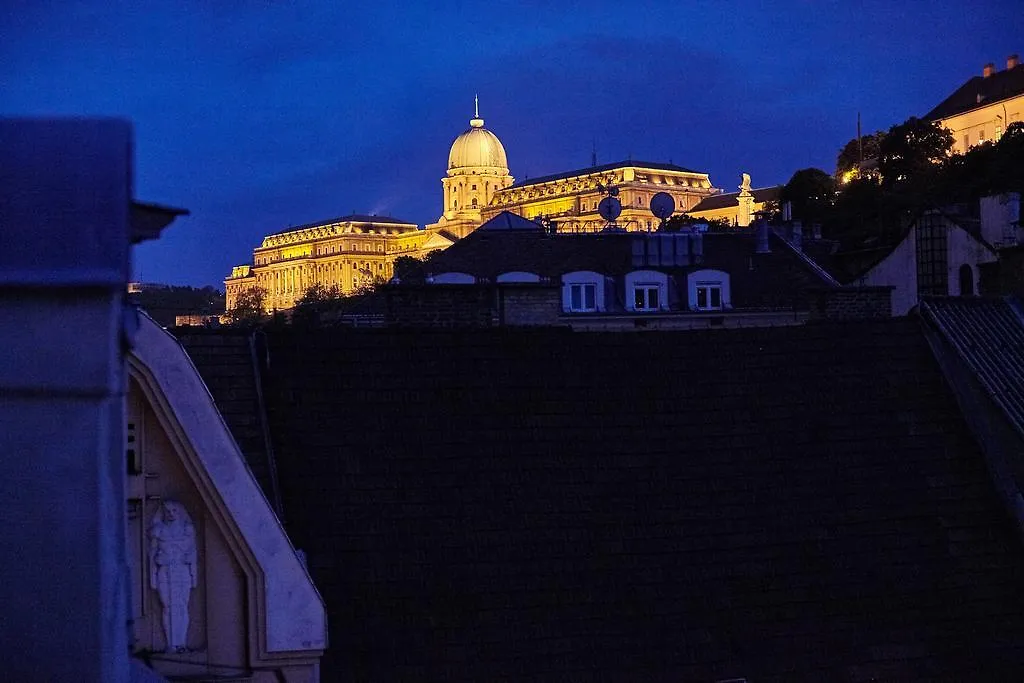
(172, 568)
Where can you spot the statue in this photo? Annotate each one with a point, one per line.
(746, 201)
(172, 568)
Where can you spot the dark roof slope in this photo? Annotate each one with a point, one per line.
(656, 165)
(727, 199)
(981, 92)
(224, 360)
(780, 504)
(988, 334)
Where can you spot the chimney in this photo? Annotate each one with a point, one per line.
(798, 236)
(1012, 61)
(988, 70)
(762, 236)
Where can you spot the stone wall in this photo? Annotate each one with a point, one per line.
(472, 305)
(852, 303)
(530, 304)
(441, 306)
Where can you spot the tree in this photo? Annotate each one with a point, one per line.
(310, 306)
(248, 310)
(848, 166)
(913, 154)
(405, 267)
(811, 192)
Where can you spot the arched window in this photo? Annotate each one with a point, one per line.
(474, 202)
(966, 280)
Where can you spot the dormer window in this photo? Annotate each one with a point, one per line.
(709, 290)
(647, 291)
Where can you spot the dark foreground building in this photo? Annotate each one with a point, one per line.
(772, 504)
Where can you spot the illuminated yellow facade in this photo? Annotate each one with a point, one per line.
(570, 200)
(478, 187)
(981, 109)
(346, 253)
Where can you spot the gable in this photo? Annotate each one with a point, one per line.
(288, 610)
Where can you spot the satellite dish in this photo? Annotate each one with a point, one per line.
(662, 205)
(609, 208)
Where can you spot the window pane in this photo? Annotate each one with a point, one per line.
(716, 297)
(638, 298)
(652, 297)
(702, 297)
(575, 297)
(589, 291)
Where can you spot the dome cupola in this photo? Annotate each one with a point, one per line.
(477, 147)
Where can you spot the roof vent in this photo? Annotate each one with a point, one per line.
(988, 70)
(1012, 61)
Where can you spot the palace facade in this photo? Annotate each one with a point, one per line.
(347, 252)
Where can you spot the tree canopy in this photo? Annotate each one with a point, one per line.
(848, 162)
(912, 154)
(248, 310)
(811, 192)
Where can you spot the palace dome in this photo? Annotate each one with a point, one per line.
(477, 147)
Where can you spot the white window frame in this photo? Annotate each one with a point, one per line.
(707, 279)
(708, 288)
(582, 288)
(648, 288)
(582, 279)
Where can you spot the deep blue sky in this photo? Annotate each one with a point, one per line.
(257, 115)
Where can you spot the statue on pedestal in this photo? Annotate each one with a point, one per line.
(172, 568)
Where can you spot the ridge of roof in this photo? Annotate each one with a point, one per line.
(980, 91)
(656, 165)
(350, 218)
(720, 200)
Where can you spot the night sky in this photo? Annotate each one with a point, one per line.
(257, 115)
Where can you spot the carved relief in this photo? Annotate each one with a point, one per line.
(173, 570)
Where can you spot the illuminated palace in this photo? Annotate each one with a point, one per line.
(478, 187)
(354, 250)
(346, 253)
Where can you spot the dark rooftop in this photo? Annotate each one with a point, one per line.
(728, 199)
(658, 166)
(775, 504)
(778, 279)
(980, 91)
(988, 335)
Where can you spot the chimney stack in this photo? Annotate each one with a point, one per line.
(988, 70)
(762, 236)
(1012, 61)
